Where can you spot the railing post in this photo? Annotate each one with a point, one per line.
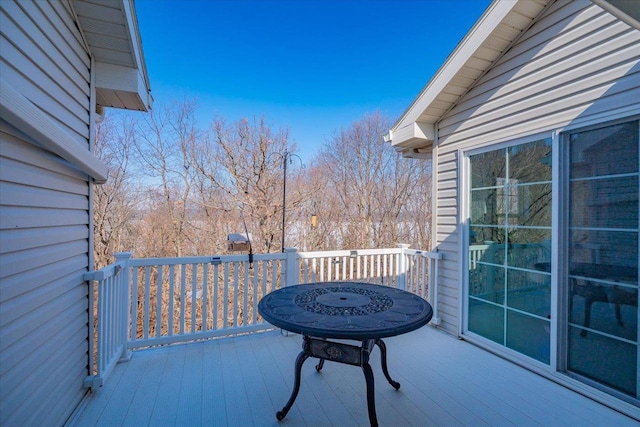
(122, 260)
(292, 267)
(401, 277)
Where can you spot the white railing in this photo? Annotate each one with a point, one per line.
(145, 302)
(108, 320)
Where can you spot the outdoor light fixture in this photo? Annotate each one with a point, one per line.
(314, 220)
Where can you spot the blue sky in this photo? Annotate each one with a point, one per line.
(311, 66)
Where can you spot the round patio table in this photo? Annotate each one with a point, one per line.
(344, 310)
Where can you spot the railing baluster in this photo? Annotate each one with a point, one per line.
(194, 295)
(183, 297)
(216, 286)
(256, 294)
(205, 297)
(147, 301)
(159, 301)
(225, 296)
(134, 303)
(172, 271)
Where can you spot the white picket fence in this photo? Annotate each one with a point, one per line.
(144, 302)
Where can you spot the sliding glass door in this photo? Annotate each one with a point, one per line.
(594, 222)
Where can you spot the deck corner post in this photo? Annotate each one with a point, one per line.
(122, 261)
(292, 268)
(402, 267)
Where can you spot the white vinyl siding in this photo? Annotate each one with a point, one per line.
(44, 220)
(576, 63)
(34, 41)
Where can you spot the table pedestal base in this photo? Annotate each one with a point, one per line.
(341, 353)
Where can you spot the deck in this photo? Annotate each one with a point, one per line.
(243, 381)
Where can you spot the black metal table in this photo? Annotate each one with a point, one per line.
(344, 310)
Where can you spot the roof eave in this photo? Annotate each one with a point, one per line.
(456, 75)
(121, 74)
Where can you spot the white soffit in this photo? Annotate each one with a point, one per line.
(110, 29)
(493, 34)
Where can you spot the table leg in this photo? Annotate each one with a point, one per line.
(383, 359)
(371, 396)
(296, 386)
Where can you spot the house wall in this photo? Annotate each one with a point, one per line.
(44, 219)
(575, 64)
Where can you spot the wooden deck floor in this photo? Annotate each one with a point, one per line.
(243, 381)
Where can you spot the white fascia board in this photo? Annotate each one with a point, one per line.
(124, 79)
(487, 23)
(413, 135)
(136, 41)
(21, 113)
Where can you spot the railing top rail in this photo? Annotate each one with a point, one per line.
(426, 254)
(110, 270)
(347, 253)
(104, 273)
(141, 262)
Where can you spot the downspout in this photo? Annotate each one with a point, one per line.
(434, 234)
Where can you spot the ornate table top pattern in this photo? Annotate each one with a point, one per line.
(345, 310)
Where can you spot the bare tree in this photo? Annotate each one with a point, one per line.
(163, 144)
(370, 185)
(241, 163)
(114, 204)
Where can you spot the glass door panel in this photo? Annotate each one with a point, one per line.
(602, 259)
(510, 248)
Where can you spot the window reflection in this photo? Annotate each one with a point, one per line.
(603, 255)
(509, 238)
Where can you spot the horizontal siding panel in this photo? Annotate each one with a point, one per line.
(18, 262)
(448, 194)
(537, 55)
(446, 158)
(20, 217)
(38, 93)
(446, 229)
(444, 221)
(58, 296)
(18, 284)
(571, 75)
(20, 355)
(447, 175)
(12, 194)
(447, 184)
(44, 220)
(448, 244)
(64, 393)
(16, 172)
(448, 211)
(448, 164)
(29, 154)
(56, 368)
(624, 93)
(14, 240)
(42, 44)
(32, 75)
(60, 19)
(446, 201)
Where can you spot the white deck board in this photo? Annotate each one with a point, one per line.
(243, 381)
